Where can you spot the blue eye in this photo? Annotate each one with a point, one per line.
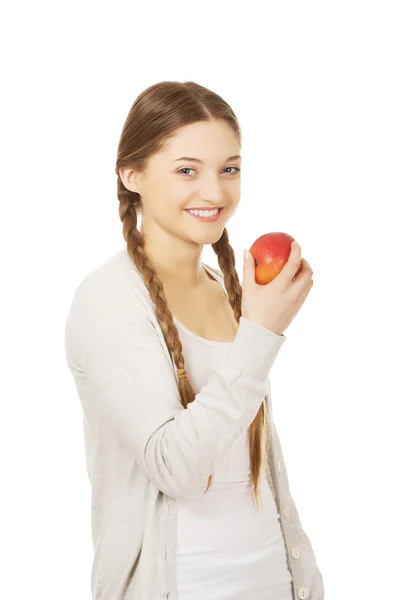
(190, 169)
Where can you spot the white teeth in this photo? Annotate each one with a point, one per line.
(204, 213)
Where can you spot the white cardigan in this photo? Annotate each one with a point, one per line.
(144, 451)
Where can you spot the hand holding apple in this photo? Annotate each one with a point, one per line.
(289, 279)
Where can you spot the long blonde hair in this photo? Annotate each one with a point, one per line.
(155, 115)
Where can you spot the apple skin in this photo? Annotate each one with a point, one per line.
(271, 252)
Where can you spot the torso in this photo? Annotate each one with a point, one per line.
(206, 312)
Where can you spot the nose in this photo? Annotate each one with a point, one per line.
(211, 190)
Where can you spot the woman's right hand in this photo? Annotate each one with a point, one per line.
(274, 305)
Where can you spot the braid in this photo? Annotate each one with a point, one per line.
(129, 203)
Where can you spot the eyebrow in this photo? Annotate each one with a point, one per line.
(190, 158)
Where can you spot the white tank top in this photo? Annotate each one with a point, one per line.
(226, 549)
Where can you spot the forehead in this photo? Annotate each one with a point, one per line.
(206, 140)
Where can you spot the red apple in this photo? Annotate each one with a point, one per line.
(271, 252)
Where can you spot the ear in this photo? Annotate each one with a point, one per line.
(130, 178)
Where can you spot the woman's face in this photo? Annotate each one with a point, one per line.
(169, 186)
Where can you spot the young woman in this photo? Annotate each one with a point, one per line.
(171, 357)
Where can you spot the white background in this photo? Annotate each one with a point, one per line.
(315, 86)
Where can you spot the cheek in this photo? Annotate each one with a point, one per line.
(180, 198)
(166, 197)
(175, 192)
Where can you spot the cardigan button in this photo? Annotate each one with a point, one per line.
(302, 593)
(295, 552)
(286, 510)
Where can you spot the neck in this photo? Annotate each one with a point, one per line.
(177, 262)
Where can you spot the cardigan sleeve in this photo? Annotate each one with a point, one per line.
(127, 386)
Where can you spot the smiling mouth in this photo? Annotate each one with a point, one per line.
(205, 219)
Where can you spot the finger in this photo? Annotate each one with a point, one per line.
(303, 293)
(293, 264)
(307, 267)
(304, 274)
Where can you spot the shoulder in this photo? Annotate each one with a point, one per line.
(107, 306)
(117, 267)
(112, 286)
